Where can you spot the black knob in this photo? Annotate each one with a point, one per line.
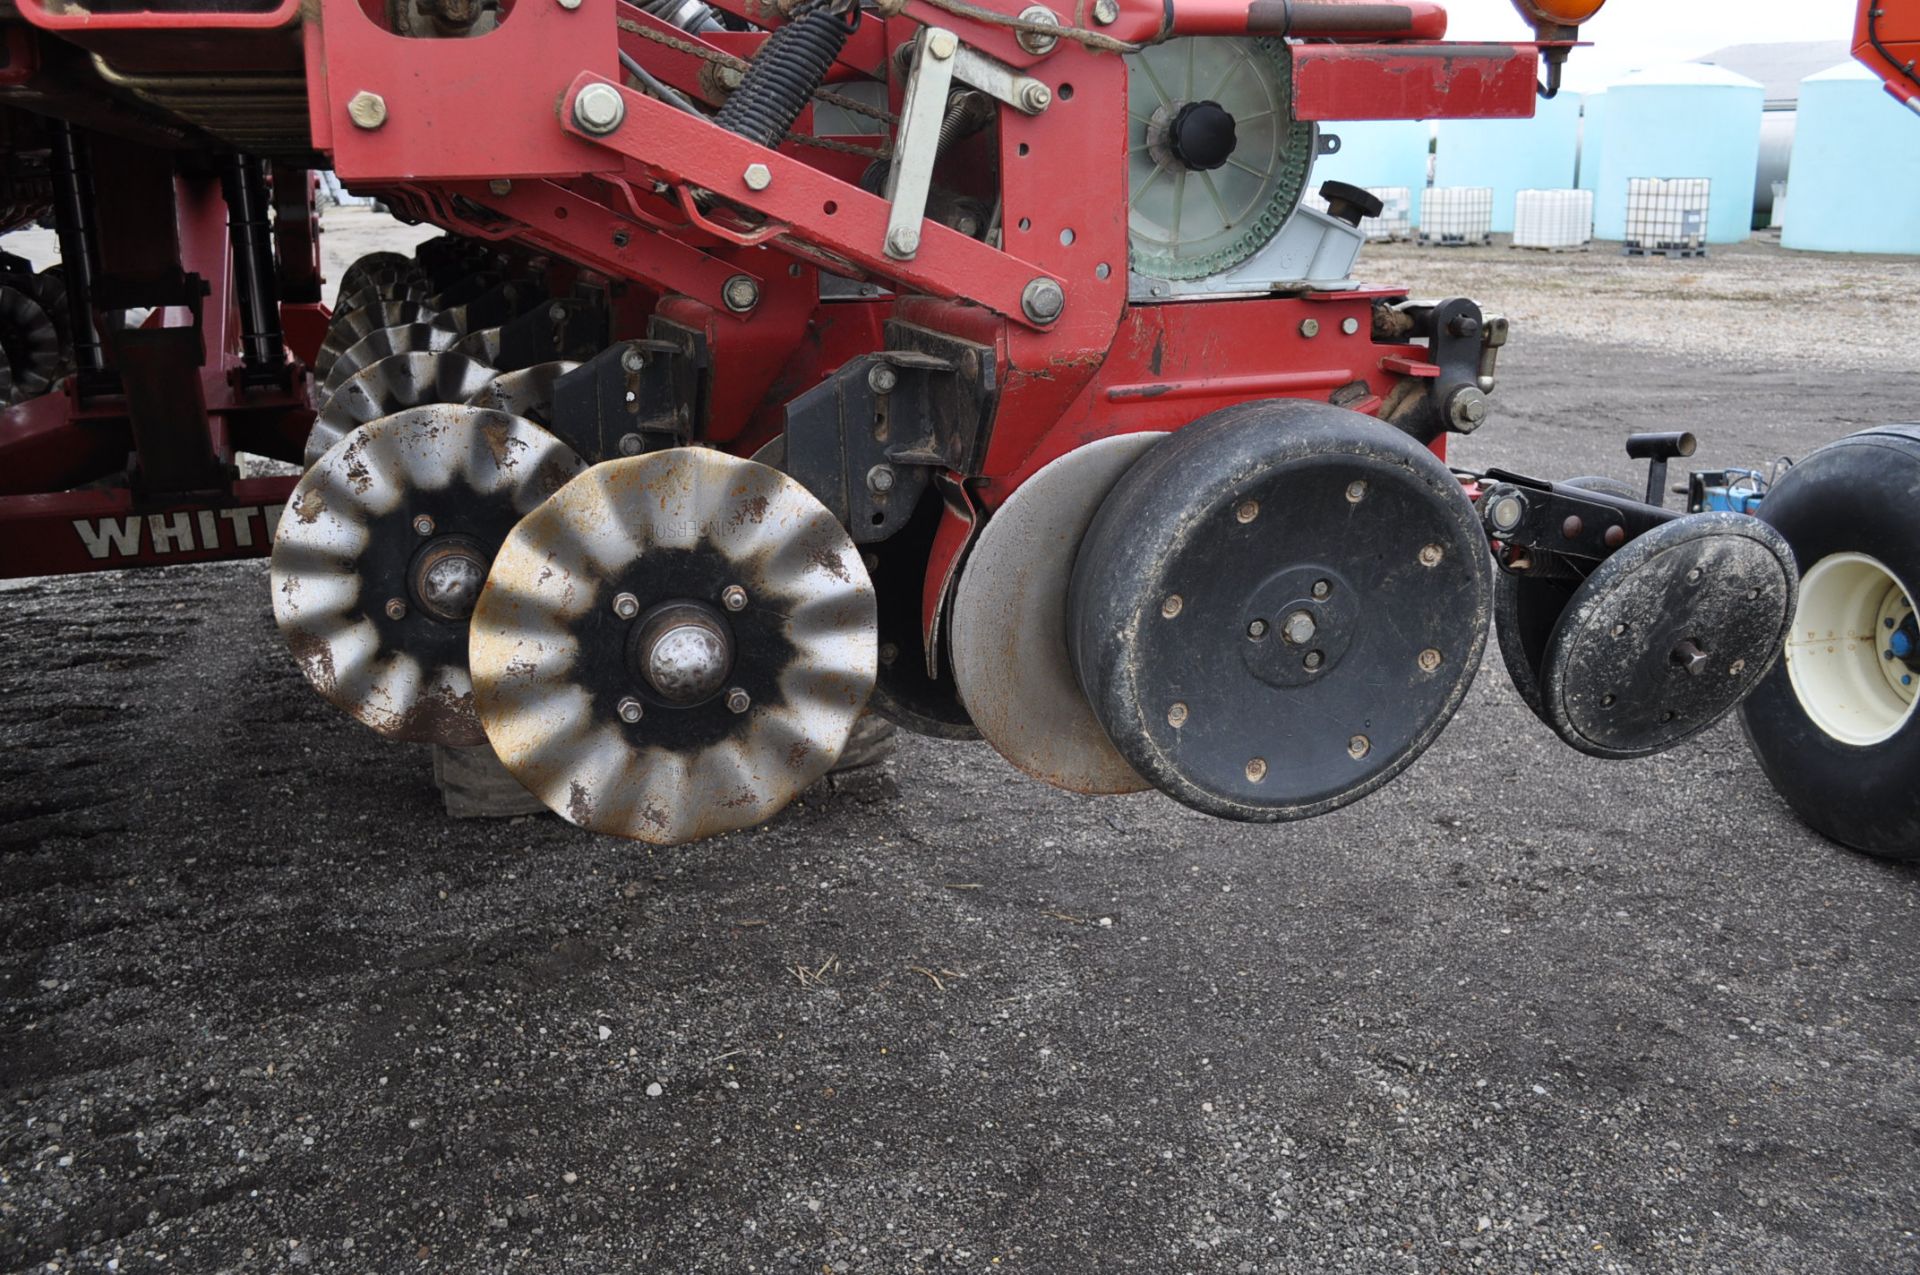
(1202, 135)
(1350, 203)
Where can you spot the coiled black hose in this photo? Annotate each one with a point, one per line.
(789, 67)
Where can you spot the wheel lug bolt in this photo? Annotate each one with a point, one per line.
(738, 701)
(626, 606)
(396, 609)
(1177, 716)
(733, 598)
(1257, 630)
(1321, 588)
(631, 710)
(1359, 746)
(423, 525)
(1314, 659)
(1171, 607)
(1256, 770)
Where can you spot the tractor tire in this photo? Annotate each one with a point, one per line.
(1835, 725)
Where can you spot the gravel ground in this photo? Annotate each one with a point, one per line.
(262, 1008)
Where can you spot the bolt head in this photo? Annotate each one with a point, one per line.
(367, 110)
(1036, 96)
(1043, 300)
(1299, 628)
(1033, 41)
(626, 606)
(1321, 588)
(943, 45)
(396, 609)
(1257, 629)
(598, 109)
(1359, 746)
(1349, 326)
(1171, 607)
(733, 598)
(556, 313)
(1429, 660)
(881, 378)
(633, 360)
(1256, 770)
(1309, 328)
(569, 5)
(738, 701)
(631, 710)
(1106, 12)
(1177, 716)
(1313, 660)
(1248, 511)
(1430, 555)
(500, 186)
(423, 525)
(757, 177)
(1507, 513)
(730, 77)
(880, 479)
(630, 444)
(1356, 491)
(741, 294)
(903, 241)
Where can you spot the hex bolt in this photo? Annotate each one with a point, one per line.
(738, 701)
(1349, 325)
(1430, 555)
(1359, 746)
(731, 77)
(396, 609)
(633, 360)
(942, 45)
(1309, 328)
(1429, 660)
(740, 293)
(598, 109)
(1248, 511)
(1038, 41)
(1622, 629)
(1177, 716)
(1314, 660)
(1356, 491)
(903, 241)
(1171, 607)
(733, 598)
(557, 312)
(367, 110)
(500, 186)
(1106, 12)
(1257, 629)
(880, 479)
(881, 378)
(630, 444)
(569, 5)
(631, 710)
(757, 177)
(423, 525)
(1256, 770)
(1042, 300)
(1466, 410)
(1035, 96)
(625, 605)
(1299, 628)
(1321, 588)
(1690, 657)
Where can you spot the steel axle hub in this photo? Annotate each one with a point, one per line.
(682, 651)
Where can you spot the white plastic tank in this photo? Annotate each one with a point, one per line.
(1688, 120)
(1553, 219)
(1376, 153)
(1510, 156)
(1855, 180)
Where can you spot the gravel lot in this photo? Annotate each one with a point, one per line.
(262, 1008)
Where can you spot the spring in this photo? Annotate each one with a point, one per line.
(790, 66)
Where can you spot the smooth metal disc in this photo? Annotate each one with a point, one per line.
(349, 326)
(555, 664)
(356, 573)
(384, 343)
(1668, 635)
(528, 392)
(1189, 223)
(394, 384)
(1009, 636)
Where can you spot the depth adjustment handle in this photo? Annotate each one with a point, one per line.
(1657, 450)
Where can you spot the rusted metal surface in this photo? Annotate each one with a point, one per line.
(1009, 643)
(350, 544)
(394, 384)
(553, 662)
(527, 392)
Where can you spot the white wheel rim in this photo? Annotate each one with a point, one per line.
(1837, 652)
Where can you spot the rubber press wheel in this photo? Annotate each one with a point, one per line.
(1834, 725)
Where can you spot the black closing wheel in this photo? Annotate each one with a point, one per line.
(1668, 635)
(1278, 609)
(1834, 724)
(1526, 608)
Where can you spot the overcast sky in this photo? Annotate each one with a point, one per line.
(1635, 33)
